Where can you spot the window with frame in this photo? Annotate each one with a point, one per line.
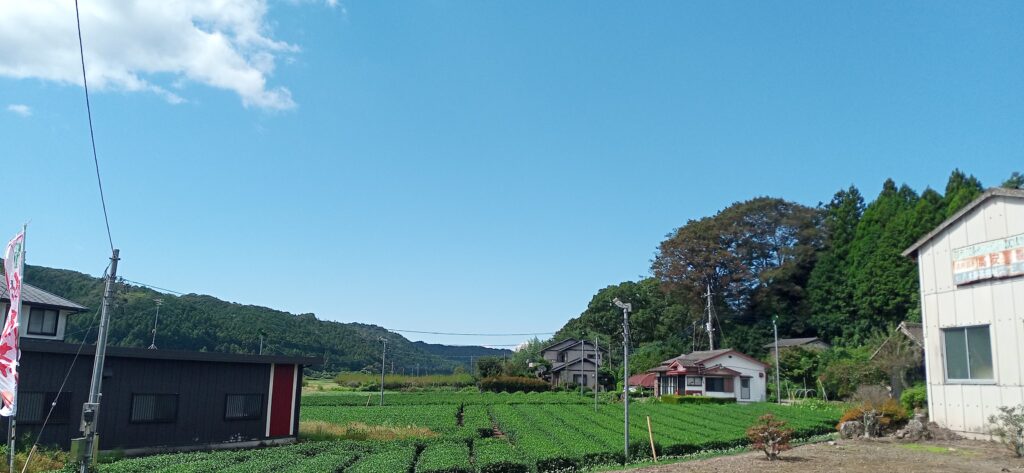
(694, 381)
(42, 322)
(968, 353)
(154, 408)
(716, 385)
(579, 379)
(33, 407)
(243, 406)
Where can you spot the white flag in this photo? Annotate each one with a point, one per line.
(10, 352)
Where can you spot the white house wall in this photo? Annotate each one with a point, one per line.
(998, 303)
(745, 367)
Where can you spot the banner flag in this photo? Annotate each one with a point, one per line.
(10, 351)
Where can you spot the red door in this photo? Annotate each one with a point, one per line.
(282, 401)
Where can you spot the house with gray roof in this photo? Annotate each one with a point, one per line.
(722, 373)
(43, 315)
(573, 362)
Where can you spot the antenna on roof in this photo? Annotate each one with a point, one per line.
(152, 346)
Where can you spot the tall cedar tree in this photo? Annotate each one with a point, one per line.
(830, 289)
(884, 282)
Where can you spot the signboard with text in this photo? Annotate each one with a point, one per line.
(990, 260)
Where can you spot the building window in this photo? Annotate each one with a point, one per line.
(33, 407)
(716, 385)
(243, 406)
(579, 379)
(694, 381)
(968, 353)
(154, 408)
(42, 322)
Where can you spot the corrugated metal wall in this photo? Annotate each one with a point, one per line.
(999, 303)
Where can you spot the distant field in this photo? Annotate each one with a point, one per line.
(541, 432)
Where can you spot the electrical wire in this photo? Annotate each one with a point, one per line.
(92, 134)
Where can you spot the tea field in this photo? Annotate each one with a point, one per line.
(493, 433)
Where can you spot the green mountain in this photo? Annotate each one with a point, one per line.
(205, 323)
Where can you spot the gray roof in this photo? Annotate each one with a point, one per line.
(32, 295)
(794, 342)
(698, 356)
(47, 346)
(993, 192)
(558, 344)
(914, 332)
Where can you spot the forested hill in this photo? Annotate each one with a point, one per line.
(205, 323)
(460, 351)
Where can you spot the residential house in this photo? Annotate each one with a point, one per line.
(724, 373)
(642, 381)
(971, 272)
(573, 362)
(809, 343)
(153, 400)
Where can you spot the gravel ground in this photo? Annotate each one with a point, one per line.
(863, 456)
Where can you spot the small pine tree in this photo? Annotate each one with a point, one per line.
(770, 436)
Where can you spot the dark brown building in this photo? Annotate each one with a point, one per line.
(154, 399)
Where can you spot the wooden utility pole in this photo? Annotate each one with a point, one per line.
(91, 409)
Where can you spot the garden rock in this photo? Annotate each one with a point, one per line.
(851, 429)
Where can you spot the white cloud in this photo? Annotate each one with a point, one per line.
(138, 45)
(20, 109)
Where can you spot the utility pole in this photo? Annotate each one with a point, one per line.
(156, 320)
(597, 363)
(778, 387)
(91, 409)
(626, 309)
(261, 342)
(710, 327)
(383, 356)
(582, 372)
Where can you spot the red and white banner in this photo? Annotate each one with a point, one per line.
(10, 352)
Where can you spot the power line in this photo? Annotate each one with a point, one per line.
(92, 135)
(154, 287)
(471, 334)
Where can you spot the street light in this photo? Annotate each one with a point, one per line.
(626, 309)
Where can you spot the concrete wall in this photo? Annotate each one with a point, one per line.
(962, 406)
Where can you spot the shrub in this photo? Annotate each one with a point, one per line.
(770, 436)
(691, 399)
(513, 384)
(1009, 427)
(891, 414)
(915, 397)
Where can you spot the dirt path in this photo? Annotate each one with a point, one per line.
(863, 456)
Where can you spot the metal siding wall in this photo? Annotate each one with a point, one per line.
(999, 303)
(201, 389)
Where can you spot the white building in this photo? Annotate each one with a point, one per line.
(43, 315)
(971, 270)
(715, 373)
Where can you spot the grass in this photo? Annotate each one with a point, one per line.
(939, 449)
(320, 430)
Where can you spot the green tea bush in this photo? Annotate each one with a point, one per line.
(511, 384)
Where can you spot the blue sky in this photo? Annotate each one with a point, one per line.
(483, 166)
